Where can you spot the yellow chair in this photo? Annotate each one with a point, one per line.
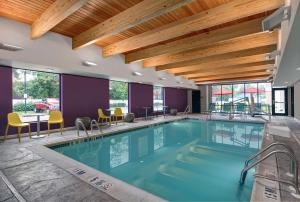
(13, 120)
(118, 113)
(102, 116)
(56, 118)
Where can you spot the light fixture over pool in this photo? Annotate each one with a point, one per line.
(10, 47)
(137, 74)
(89, 63)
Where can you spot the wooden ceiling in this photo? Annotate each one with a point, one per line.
(202, 40)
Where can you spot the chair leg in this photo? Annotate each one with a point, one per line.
(19, 133)
(6, 131)
(48, 129)
(29, 131)
(61, 126)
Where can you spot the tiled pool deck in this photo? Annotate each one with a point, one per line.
(27, 175)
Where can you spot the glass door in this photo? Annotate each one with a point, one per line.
(280, 101)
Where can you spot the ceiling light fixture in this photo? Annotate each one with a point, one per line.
(298, 68)
(137, 74)
(89, 63)
(10, 47)
(162, 78)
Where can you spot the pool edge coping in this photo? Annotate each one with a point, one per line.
(137, 194)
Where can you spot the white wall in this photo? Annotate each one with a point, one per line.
(54, 51)
(289, 60)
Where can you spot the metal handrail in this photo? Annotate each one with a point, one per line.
(266, 148)
(80, 123)
(290, 155)
(187, 110)
(95, 123)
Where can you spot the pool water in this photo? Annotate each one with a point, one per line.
(187, 160)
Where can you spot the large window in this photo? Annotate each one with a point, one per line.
(158, 98)
(118, 95)
(257, 93)
(35, 92)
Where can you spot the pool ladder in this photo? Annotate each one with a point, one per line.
(187, 110)
(293, 165)
(93, 124)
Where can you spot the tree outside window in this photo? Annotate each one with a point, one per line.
(118, 94)
(158, 98)
(35, 92)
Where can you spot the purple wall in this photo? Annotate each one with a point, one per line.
(82, 96)
(176, 98)
(5, 96)
(140, 95)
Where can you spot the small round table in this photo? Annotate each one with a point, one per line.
(146, 110)
(38, 124)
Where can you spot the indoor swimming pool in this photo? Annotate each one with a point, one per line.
(186, 160)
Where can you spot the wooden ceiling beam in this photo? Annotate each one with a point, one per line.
(223, 64)
(251, 69)
(230, 69)
(229, 76)
(241, 79)
(228, 12)
(228, 46)
(197, 41)
(221, 57)
(57, 12)
(131, 17)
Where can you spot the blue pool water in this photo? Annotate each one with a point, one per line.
(187, 160)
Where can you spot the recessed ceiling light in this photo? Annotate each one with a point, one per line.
(137, 74)
(10, 47)
(89, 63)
(298, 68)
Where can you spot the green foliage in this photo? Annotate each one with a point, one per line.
(20, 107)
(118, 90)
(41, 85)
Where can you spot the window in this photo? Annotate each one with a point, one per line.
(264, 96)
(226, 94)
(35, 92)
(238, 92)
(259, 93)
(251, 92)
(216, 96)
(118, 95)
(158, 98)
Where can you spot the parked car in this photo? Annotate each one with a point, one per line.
(47, 104)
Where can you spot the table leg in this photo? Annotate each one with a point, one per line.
(38, 128)
(146, 114)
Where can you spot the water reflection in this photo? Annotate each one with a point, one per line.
(152, 158)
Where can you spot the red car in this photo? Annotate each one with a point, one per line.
(48, 104)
